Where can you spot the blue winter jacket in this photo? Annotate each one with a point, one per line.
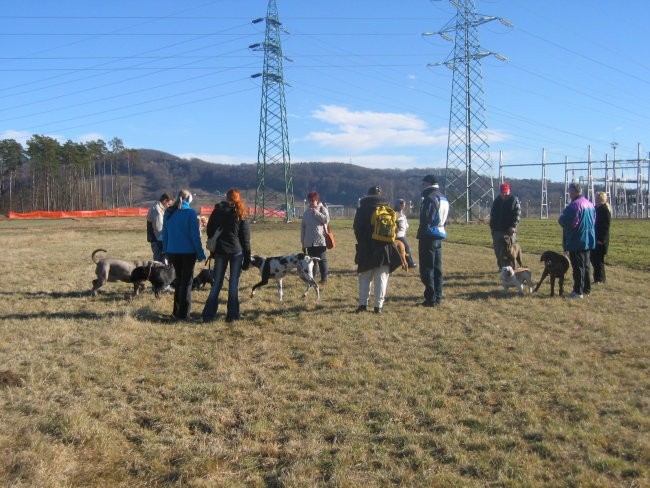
(180, 234)
(578, 225)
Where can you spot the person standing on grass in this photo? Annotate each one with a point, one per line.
(375, 259)
(504, 219)
(312, 232)
(578, 238)
(603, 218)
(402, 228)
(233, 249)
(431, 232)
(182, 245)
(155, 225)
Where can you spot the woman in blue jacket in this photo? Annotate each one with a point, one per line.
(182, 245)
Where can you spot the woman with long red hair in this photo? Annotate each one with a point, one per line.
(233, 249)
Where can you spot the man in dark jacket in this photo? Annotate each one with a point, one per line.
(431, 232)
(375, 259)
(504, 219)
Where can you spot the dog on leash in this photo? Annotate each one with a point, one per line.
(555, 265)
(203, 278)
(512, 254)
(516, 278)
(278, 267)
(112, 269)
(160, 277)
(401, 249)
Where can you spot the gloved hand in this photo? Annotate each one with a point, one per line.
(247, 261)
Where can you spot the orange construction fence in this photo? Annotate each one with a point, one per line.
(116, 212)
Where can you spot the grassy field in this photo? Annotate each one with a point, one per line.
(486, 390)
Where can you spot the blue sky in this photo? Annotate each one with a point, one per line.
(176, 76)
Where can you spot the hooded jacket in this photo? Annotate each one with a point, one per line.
(370, 253)
(180, 233)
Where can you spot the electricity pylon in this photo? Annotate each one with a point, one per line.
(468, 175)
(273, 146)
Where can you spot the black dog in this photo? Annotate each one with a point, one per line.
(158, 276)
(556, 265)
(204, 277)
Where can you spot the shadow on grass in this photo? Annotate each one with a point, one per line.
(81, 315)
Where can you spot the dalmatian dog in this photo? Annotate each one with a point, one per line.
(278, 267)
(516, 278)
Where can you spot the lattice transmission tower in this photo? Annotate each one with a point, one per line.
(468, 176)
(273, 157)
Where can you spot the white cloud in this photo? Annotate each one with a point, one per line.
(18, 136)
(22, 136)
(361, 131)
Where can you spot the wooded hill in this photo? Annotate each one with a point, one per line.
(48, 175)
(337, 183)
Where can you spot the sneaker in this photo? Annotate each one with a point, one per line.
(361, 308)
(378, 309)
(427, 304)
(573, 294)
(414, 265)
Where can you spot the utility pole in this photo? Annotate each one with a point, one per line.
(614, 199)
(273, 145)
(468, 176)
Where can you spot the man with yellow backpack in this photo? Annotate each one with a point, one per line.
(375, 224)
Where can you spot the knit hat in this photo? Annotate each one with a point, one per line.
(374, 190)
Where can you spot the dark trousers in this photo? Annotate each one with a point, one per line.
(430, 254)
(597, 257)
(221, 262)
(580, 265)
(319, 252)
(407, 248)
(184, 267)
(157, 250)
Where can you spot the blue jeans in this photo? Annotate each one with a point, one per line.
(219, 272)
(430, 254)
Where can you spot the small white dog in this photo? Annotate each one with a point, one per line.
(516, 278)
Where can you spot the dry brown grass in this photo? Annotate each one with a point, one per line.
(485, 391)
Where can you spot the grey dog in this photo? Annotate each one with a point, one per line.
(112, 269)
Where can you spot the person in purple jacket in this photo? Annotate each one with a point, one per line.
(578, 238)
(182, 245)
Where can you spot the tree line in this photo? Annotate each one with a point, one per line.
(48, 175)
